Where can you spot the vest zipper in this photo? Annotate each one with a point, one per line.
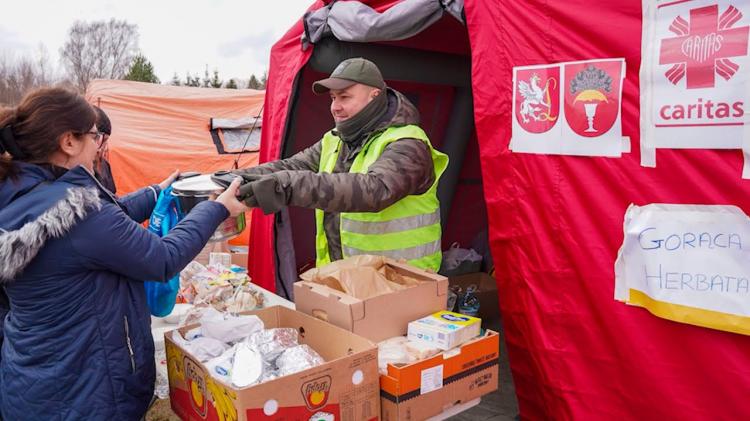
(130, 345)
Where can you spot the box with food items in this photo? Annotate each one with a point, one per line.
(421, 377)
(224, 287)
(274, 363)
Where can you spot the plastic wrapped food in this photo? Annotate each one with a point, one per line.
(298, 358)
(232, 329)
(420, 351)
(221, 366)
(247, 367)
(217, 296)
(272, 342)
(393, 351)
(200, 314)
(201, 348)
(244, 299)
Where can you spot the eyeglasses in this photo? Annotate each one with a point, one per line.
(97, 136)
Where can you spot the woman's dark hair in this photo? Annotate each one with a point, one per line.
(31, 131)
(102, 121)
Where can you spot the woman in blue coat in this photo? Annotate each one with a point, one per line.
(76, 339)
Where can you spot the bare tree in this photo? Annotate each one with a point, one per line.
(99, 50)
(18, 75)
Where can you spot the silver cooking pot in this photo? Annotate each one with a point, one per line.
(197, 188)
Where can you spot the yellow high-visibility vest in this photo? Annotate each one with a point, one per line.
(408, 229)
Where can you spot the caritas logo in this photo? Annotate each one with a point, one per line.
(706, 41)
(316, 392)
(704, 46)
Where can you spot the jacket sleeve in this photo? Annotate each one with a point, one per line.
(306, 160)
(139, 204)
(404, 168)
(111, 240)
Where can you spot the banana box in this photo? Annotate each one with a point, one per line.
(345, 387)
(444, 329)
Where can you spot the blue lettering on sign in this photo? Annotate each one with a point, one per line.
(649, 239)
(700, 282)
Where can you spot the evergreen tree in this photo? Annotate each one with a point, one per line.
(231, 84)
(192, 81)
(215, 81)
(264, 80)
(141, 70)
(253, 83)
(206, 78)
(175, 80)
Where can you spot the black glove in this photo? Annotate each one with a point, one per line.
(247, 195)
(247, 176)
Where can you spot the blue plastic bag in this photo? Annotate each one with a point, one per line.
(161, 296)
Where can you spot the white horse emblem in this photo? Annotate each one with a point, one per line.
(536, 104)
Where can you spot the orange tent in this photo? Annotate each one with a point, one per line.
(158, 128)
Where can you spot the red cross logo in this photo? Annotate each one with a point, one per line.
(703, 46)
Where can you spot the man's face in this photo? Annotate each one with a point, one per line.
(345, 103)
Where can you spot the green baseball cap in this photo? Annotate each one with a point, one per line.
(349, 72)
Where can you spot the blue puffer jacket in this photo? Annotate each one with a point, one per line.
(77, 340)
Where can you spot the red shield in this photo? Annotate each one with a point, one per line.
(592, 96)
(537, 98)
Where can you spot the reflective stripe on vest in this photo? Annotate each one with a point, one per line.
(411, 253)
(394, 225)
(408, 229)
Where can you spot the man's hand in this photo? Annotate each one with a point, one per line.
(246, 194)
(229, 199)
(169, 180)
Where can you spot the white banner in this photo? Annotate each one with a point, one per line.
(687, 263)
(571, 108)
(694, 75)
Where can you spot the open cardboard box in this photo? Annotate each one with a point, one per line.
(428, 387)
(380, 317)
(343, 388)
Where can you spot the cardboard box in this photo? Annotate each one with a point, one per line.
(239, 259)
(444, 329)
(427, 388)
(211, 247)
(344, 388)
(489, 303)
(380, 317)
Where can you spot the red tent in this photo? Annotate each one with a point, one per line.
(555, 222)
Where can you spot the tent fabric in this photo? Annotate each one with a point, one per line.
(287, 59)
(358, 22)
(158, 128)
(555, 225)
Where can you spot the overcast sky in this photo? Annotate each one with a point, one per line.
(233, 36)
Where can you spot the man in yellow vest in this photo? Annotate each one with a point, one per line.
(372, 179)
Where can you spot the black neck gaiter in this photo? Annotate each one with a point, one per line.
(352, 129)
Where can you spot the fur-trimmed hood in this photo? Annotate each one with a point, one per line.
(35, 207)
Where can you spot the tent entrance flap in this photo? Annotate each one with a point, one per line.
(439, 86)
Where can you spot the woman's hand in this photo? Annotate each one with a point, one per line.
(169, 180)
(229, 199)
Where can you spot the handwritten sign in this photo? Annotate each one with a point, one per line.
(687, 263)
